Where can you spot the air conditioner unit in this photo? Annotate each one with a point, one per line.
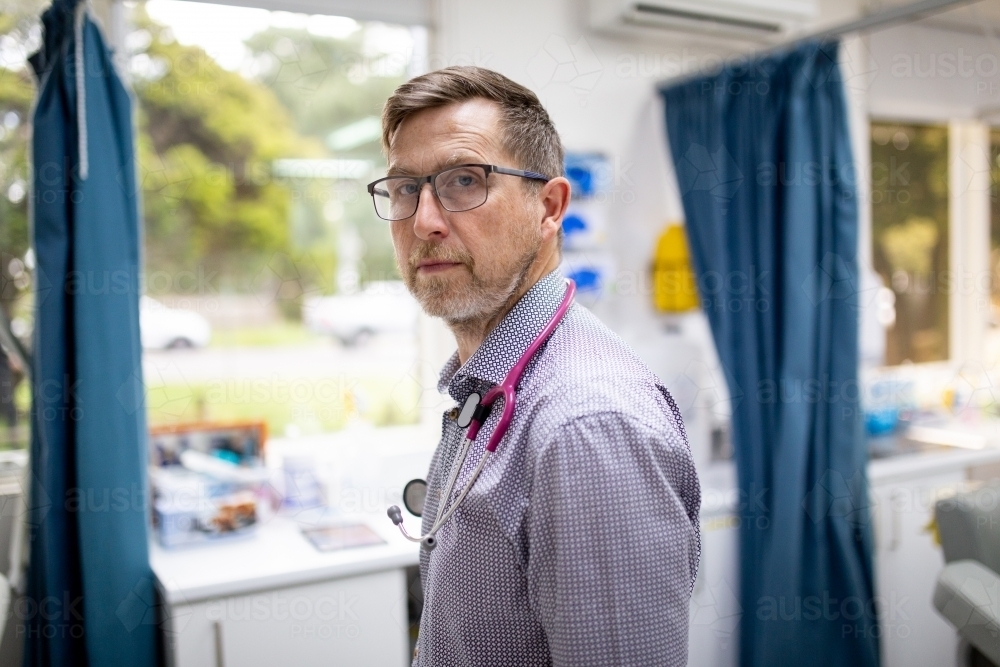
(751, 20)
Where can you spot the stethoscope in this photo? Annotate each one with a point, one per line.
(474, 413)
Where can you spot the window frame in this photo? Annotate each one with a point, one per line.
(968, 226)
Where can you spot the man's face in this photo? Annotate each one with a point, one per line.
(463, 266)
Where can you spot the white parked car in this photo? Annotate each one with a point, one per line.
(165, 328)
(381, 307)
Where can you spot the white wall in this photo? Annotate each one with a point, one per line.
(592, 85)
(926, 73)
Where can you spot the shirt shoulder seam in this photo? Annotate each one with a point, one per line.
(626, 417)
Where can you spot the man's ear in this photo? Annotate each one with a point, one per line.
(554, 198)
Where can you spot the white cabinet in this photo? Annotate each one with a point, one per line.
(713, 639)
(272, 599)
(358, 620)
(907, 564)
(714, 635)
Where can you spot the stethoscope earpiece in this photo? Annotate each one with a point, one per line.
(395, 515)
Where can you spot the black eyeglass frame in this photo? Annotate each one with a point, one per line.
(420, 180)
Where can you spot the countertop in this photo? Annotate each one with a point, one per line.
(275, 555)
(720, 496)
(363, 470)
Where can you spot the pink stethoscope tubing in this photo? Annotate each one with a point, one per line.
(507, 390)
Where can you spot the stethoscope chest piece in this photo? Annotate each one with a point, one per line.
(414, 496)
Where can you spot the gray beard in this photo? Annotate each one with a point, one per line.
(480, 303)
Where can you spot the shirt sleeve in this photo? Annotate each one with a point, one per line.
(613, 542)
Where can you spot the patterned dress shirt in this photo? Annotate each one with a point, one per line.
(579, 543)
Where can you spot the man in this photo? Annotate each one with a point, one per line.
(579, 542)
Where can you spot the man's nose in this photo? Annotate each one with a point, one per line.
(429, 222)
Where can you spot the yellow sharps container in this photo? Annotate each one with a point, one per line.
(674, 287)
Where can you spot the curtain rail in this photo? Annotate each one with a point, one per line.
(886, 18)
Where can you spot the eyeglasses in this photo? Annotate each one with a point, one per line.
(460, 188)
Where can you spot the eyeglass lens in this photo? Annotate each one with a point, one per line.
(458, 189)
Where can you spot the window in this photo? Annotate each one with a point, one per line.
(910, 236)
(20, 35)
(254, 143)
(254, 146)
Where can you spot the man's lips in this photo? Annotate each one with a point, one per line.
(434, 266)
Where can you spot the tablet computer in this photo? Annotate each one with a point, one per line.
(342, 536)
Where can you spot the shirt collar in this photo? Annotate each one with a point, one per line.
(503, 346)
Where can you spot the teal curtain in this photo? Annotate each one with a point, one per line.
(89, 580)
(764, 165)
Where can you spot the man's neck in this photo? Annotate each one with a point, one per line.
(470, 335)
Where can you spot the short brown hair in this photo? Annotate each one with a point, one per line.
(527, 131)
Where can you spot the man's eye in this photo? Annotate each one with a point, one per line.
(462, 181)
(406, 189)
